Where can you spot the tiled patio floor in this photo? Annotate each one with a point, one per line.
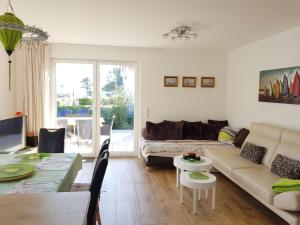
(121, 141)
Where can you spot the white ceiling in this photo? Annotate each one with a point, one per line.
(221, 24)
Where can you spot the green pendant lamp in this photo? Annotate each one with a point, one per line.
(10, 37)
(13, 30)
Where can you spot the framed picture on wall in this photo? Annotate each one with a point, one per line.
(208, 82)
(171, 81)
(189, 82)
(280, 85)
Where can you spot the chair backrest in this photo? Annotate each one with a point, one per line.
(106, 128)
(52, 140)
(96, 185)
(105, 146)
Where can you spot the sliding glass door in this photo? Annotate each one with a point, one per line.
(74, 104)
(117, 100)
(94, 101)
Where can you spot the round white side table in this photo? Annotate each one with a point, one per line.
(204, 165)
(198, 185)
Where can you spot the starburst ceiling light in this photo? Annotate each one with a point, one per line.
(180, 32)
(13, 30)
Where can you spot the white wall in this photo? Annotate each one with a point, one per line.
(7, 102)
(244, 65)
(164, 103)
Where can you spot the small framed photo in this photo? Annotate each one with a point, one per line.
(189, 82)
(171, 81)
(208, 82)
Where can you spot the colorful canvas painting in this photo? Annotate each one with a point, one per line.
(280, 85)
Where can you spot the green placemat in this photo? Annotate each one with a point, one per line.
(194, 161)
(33, 157)
(15, 171)
(198, 176)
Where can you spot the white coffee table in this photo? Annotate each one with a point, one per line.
(204, 165)
(197, 186)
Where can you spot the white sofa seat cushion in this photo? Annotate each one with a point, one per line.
(289, 200)
(227, 159)
(257, 181)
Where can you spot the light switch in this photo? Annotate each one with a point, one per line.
(147, 113)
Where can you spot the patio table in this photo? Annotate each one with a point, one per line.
(63, 178)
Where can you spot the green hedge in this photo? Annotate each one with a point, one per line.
(85, 101)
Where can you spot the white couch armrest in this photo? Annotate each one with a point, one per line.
(289, 201)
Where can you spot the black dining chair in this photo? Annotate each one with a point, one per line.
(93, 214)
(86, 186)
(52, 140)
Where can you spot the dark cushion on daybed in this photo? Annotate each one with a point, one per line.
(218, 124)
(192, 130)
(154, 131)
(173, 129)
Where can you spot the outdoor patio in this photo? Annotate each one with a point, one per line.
(121, 141)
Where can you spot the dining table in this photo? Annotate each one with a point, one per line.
(63, 208)
(54, 173)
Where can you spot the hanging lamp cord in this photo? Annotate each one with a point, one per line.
(10, 5)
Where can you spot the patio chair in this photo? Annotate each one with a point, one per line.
(106, 128)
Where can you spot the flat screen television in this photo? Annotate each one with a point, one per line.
(12, 134)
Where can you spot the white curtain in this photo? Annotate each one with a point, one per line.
(34, 87)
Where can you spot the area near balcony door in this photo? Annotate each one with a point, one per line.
(88, 95)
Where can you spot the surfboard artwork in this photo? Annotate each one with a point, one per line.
(280, 85)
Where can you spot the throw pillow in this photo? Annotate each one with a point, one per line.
(218, 124)
(253, 153)
(209, 132)
(286, 167)
(227, 135)
(192, 130)
(155, 131)
(173, 130)
(241, 137)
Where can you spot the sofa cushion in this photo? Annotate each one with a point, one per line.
(266, 136)
(253, 153)
(286, 167)
(289, 145)
(241, 137)
(154, 131)
(173, 129)
(227, 159)
(218, 124)
(257, 180)
(265, 130)
(289, 201)
(192, 130)
(227, 135)
(209, 132)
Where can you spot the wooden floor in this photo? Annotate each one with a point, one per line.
(135, 195)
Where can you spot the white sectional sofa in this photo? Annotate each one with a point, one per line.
(257, 179)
